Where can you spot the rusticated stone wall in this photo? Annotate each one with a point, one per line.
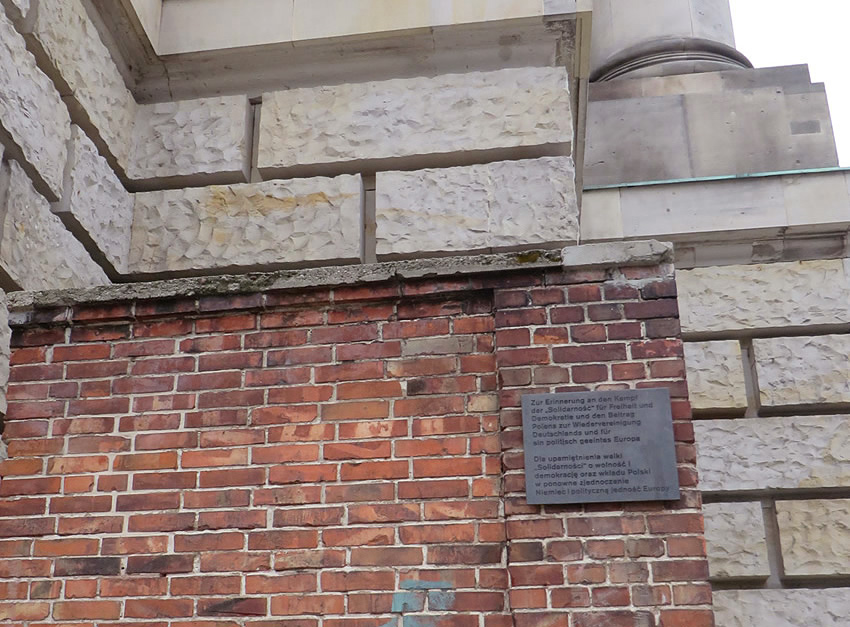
(766, 351)
(345, 457)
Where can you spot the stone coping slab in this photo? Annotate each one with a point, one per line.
(583, 257)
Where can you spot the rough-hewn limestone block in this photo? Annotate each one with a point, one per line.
(773, 453)
(734, 536)
(803, 370)
(36, 250)
(765, 296)
(497, 205)
(31, 113)
(5, 349)
(419, 116)
(96, 203)
(71, 42)
(191, 137)
(715, 375)
(782, 608)
(245, 226)
(815, 536)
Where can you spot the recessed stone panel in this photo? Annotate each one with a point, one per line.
(97, 203)
(760, 296)
(248, 226)
(24, 90)
(73, 46)
(207, 136)
(784, 453)
(815, 536)
(499, 205)
(803, 370)
(452, 113)
(735, 540)
(36, 249)
(715, 375)
(782, 608)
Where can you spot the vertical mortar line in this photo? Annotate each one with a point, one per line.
(774, 546)
(751, 382)
(369, 222)
(255, 111)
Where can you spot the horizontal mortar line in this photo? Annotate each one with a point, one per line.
(779, 494)
(839, 328)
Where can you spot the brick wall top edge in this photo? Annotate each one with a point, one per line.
(584, 257)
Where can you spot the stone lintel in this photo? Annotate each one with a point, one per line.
(575, 258)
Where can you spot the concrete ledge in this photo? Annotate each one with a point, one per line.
(632, 254)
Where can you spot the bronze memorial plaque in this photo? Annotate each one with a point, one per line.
(596, 447)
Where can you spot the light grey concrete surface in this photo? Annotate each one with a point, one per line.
(786, 453)
(501, 205)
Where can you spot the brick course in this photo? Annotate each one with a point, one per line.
(348, 457)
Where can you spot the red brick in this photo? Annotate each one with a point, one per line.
(158, 608)
(357, 580)
(316, 605)
(206, 585)
(76, 610)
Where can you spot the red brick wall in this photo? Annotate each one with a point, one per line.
(344, 458)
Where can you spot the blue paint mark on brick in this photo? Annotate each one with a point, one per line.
(416, 584)
(441, 600)
(408, 602)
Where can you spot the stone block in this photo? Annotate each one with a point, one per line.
(784, 453)
(764, 296)
(715, 375)
(95, 204)
(815, 536)
(499, 205)
(803, 370)
(782, 608)
(453, 113)
(73, 46)
(24, 90)
(207, 136)
(259, 225)
(735, 540)
(36, 250)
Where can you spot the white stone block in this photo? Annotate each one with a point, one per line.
(803, 370)
(728, 298)
(735, 540)
(782, 608)
(71, 42)
(784, 453)
(715, 375)
(451, 113)
(96, 202)
(815, 536)
(207, 136)
(36, 250)
(248, 226)
(482, 207)
(32, 114)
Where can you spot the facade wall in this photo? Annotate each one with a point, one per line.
(338, 457)
(770, 398)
